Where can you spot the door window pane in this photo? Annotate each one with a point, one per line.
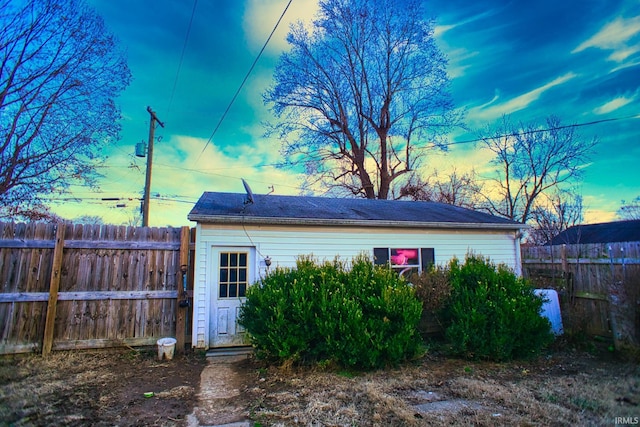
(233, 274)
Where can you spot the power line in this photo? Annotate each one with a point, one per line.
(594, 122)
(208, 172)
(310, 158)
(184, 48)
(109, 200)
(229, 176)
(255, 61)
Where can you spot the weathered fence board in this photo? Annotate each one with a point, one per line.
(117, 285)
(54, 286)
(599, 286)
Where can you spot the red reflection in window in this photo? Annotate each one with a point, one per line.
(404, 257)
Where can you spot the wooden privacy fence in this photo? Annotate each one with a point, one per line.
(78, 286)
(598, 284)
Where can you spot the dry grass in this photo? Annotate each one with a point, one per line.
(561, 389)
(106, 388)
(101, 388)
(47, 391)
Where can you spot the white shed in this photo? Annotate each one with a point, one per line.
(239, 237)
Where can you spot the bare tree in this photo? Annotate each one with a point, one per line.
(134, 219)
(453, 188)
(362, 96)
(532, 160)
(88, 219)
(630, 210)
(561, 210)
(60, 73)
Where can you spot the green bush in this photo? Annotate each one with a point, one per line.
(492, 313)
(359, 316)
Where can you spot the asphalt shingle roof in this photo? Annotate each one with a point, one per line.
(274, 209)
(607, 232)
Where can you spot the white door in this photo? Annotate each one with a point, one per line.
(232, 273)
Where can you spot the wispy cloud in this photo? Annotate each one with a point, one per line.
(519, 102)
(439, 30)
(614, 104)
(457, 58)
(599, 208)
(619, 35)
(459, 20)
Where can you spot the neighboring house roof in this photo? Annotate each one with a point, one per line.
(299, 210)
(607, 232)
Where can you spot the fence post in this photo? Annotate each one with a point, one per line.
(54, 285)
(181, 311)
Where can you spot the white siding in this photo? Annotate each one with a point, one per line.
(284, 244)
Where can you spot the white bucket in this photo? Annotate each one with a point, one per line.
(166, 347)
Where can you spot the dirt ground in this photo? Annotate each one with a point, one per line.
(98, 388)
(563, 387)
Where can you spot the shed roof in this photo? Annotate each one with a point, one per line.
(606, 232)
(213, 207)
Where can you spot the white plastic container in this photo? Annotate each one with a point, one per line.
(551, 309)
(166, 348)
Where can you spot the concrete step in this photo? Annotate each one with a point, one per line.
(229, 351)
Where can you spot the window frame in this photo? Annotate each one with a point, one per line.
(383, 256)
(232, 284)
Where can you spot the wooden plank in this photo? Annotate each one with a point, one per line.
(8, 268)
(590, 295)
(181, 312)
(598, 261)
(12, 348)
(6, 317)
(26, 244)
(87, 296)
(53, 291)
(23, 311)
(23, 296)
(154, 283)
(88, 244)
(105, 343)
(103, 244)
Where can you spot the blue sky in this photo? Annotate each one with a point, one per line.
(579, 60)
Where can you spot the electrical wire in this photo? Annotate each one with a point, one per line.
(181, 199)
(246, 77)
(184, 48)
(594, 122)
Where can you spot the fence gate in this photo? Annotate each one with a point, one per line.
(71, 286)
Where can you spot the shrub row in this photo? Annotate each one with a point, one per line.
(365, 316)
(358, 316)
(488, 312)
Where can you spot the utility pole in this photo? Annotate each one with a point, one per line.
(147, 182)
